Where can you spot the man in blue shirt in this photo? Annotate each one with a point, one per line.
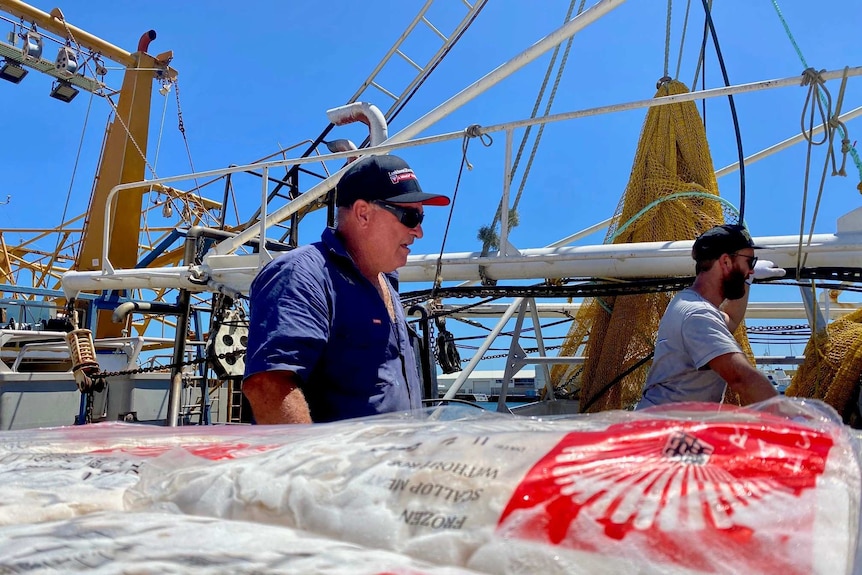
(696, 356)
(327, 334)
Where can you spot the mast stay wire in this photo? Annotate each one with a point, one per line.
(548, 106)
(700, 57)
(145, 213)
(180, 126)
(682, 40)
(523, 144)
(72, 39)
(74, 172)
(667, 39)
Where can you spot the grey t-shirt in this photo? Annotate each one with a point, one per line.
(692, 333)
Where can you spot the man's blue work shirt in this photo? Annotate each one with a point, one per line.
(313, 313)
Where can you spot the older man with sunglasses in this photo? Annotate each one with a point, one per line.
(696, 356)
(328, 338)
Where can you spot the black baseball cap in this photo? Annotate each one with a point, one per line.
(387, 178)
(719, 240)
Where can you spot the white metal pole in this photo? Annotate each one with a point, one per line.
(504, 200)
(477, 357)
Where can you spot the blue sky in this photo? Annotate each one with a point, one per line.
(260, 75)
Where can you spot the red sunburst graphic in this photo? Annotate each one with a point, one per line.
(709, 496)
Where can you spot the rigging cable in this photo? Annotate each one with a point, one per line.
(828, 118)
(667, 39)
(71, 37)
(732, 111)
(74, 172)
(145, 213)
(548, 106)
(851, 149)
(700, 56)
(108, 98)
(682, 40)
(523, 144)
(182, 128)
(470, 132)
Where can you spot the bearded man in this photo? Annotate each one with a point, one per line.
(696, 356)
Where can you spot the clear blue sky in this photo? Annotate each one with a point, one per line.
(257, 75)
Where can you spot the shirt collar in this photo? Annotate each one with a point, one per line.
(335, 245)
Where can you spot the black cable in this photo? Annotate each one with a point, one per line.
(614, 381)
(732, 112)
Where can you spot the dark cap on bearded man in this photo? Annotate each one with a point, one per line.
(387, 178)
(719, 240)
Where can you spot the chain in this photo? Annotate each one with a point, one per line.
(502, 355)
(600, 288)
(591, 289)
(178, 366)
(88, 410)
(771, 328)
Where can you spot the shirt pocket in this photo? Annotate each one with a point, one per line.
(358, 350)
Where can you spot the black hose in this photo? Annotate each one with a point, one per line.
(732, 112)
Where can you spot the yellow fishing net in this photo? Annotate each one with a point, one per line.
(672, 194)
(833, 364)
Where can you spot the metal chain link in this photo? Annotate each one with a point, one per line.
(502, 355)
(179, 365)
(763, 328)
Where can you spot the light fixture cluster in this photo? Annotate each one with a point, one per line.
(66, 65)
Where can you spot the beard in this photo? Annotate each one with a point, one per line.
(733, 285)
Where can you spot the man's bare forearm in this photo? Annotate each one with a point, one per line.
(275, 398)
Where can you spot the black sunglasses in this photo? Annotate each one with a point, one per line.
(751, 259)
(409, 217)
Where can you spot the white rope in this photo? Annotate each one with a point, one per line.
(816, 84)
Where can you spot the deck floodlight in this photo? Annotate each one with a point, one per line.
(63, 91)
(11, 71)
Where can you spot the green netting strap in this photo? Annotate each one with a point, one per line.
(675, 196)
(852, 149)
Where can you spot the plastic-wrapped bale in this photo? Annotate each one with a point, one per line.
(59, 473)
(695, 488)
(159, 543)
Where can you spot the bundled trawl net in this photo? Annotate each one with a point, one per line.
(672, 194)
(692, 488)
(832, 370)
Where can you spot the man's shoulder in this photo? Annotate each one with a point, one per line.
(309, 254)
(688, 302)
(307, 262)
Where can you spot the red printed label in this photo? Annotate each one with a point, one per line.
(708, 496)
(211, 451)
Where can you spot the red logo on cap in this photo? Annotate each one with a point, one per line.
(402, 175)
